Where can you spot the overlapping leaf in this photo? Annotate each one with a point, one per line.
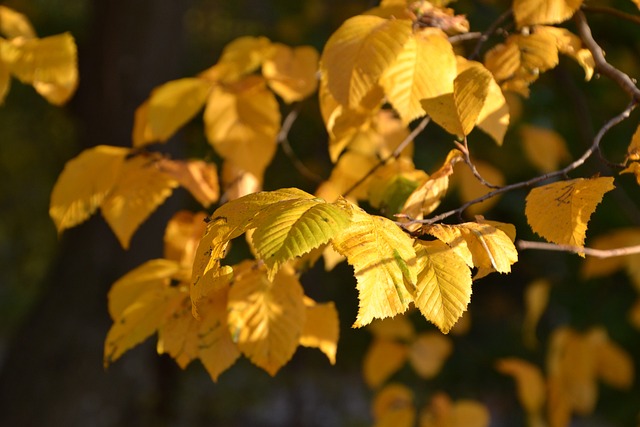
(321, 328)
(239, 58)
(200, 178)
(532, 12)
(14, 24)
(292, 72)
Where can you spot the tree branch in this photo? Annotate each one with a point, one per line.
(613, 12)
(489, 32)
(464, 36)
(597, 253)
(283, 140)
(467, 159)
(602, 66)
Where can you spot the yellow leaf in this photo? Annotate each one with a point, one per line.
(169, 107)
(428, 353)
(471, 188)
(545, 148)
(393, 328)
(493, 119)
(137, 192)
(392, 184)
(239, 58)
(331, 258)
(84, 183)
(266, 319)
(529, 382)
(560, 211)
(614, 366)
(242, 124)
(634, 314)
(49, 64)
(292, 72)
(384, 262)
(182, 235)
(178, 337)
(197, 176)
(532, 12)
(238, 182)
(571, 45)
(633, 151)
(290, 229)
(620, 238)
(351, 167)
(14, 24)
(384, 358)
(443, 290)
(479, 245)
(393, 407)
(359, 52)
(633, 168)
(5, 78)
(536, 298)
(425, 68)
(442, 412)
(321, 328)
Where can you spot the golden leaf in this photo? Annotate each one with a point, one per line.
(634, 314)
(442, 412)
(428, 353)
(84, 183)
(178, 337)
(49, 64)
(168, 108)
(536, 298)
(238, 182)
(532, 12)
(359, 52)
(137, 192)
(384, 358)
(321, 328)
(392, 184)
(571, 45)
(349, 170)
(393, 407)
(614, 366)
(471, 188)
(266, 319)
(239, 58)
(621, 238)
(546, 149)
(5, 78)
(242, 124)
(197, 176)
(633, 151)
(560, 211)
(529, 382)
(393, 328)
(292, 72)
(384, 262)
(425, 68)
(14, 24)
(182, 236)
(443, 290)
(633, 168)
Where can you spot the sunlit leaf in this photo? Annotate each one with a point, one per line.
(182, 235)
(571, 45)
(532, 12)
(443, 290)
(237, 182)
(292, 72)
(442, 412)
(384, 262)
(197, 176)
(428, 353)
(536, 298)
(615, 239)
(560, 211)
(633, 168)
(14, 24)
(266, 319)
(393, 407)
(359, 52)
(242, 124)
(239, 58)
(178, 337)
(384, 358)
(545, 148)
(137, 192)
(84, 183)
(633, 151)
(425, 68)
(321, 328)
(393, 328)
(350, 169)
(392, 184)
(5, 78)
(529, 382)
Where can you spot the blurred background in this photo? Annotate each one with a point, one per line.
(53, 309)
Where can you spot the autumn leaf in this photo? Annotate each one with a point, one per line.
(532, 12)
(136, 193)
(200, 178)
(5, 78)
(560, 211)
(383, 259)
(619, 238)
(84, 183)
(545, 148)
(292, 72)
(182, 235)
(321, 328)
(384, 358)
(266, 319)
(358, 53)
(428, 353)
(237, 182)
(571, 45)
(442, 412)
(239, 58)
(395, 328)
(14, 24)
(392, 184)
(530, 385)
(536, 298)
(443, 290)
(633, 151)
(393, 407)
(470, 188)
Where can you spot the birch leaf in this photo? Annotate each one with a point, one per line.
(292, 72)
(138, 191)
(384, 358)
(182, 235)
(443, 290)
(321, 328)
(560, 211)
(14, 24)
(532, 12)
(359, 52)
(84, 183)
(383, 259)
(266, 319)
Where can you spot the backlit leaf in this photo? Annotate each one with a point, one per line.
(169, 107)
(137, 192)
(5, 79)
(443, 290)
(529, 382)
(428, 353)
(239, 58)
(178, 337)
(321, 328)
(393, 328)
(182, 235)
(620, 238)
(571, 45)
(197, 176)
(384, 358)
(242, 124)
(425, 68)
(266, 319)
(393, 407)
(14, 24)
(633, 168)
(545, 148)
(392, 184)
(384, 263)
(359, 52)
(560, 211)
(532, 12)
(292, 72)
(84, 183)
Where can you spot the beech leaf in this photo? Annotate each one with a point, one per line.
(532, 12)
(14, 24)
(292, 72)
(197, 176)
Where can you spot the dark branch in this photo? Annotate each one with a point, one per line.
(283, 140)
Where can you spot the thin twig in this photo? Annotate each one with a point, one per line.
(464, 36)
(613, 12)
(467, 159)
(283, 140)
(562, 172)
(602, 66)
(396, 153)
(489, 32)
(597, 253)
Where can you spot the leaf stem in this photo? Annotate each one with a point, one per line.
(597, 253)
